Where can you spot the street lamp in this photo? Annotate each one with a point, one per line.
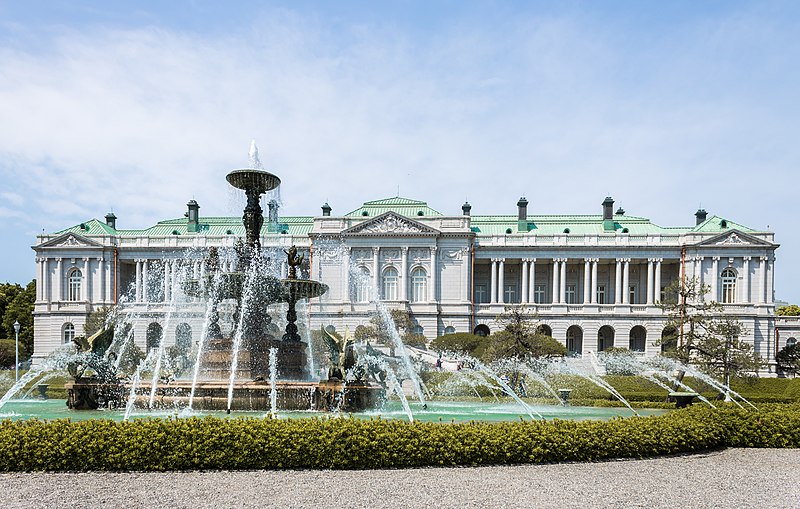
(16, 351)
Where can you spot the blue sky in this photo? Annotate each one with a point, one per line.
(141, 106)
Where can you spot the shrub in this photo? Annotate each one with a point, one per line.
(246, 443)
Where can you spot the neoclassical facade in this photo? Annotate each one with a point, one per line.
(591, 281)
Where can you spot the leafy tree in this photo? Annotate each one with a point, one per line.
(8, 291)
(462, 342)
(788, 358)
(521, 338)
(21, 309)
(379, 331)
(99, 319)
(704, 335)
(790, 310)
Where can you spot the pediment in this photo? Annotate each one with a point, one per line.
(390, 223)
(70, 240)
(734, 238)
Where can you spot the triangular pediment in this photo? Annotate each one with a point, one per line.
(72, 240)
(734, 238)
(390, 223)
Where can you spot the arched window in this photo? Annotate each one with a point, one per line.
(363, 284)
(390, 278)
(728, 286)
(605, 338)
(69, 333)
(154, 335)
(419, 285)
(791, 341)
(418, 330)
(574, 340)
(544, 329)
(669, 339)
(449, 330)
(74, 285)
(638, 338)
(183, 337)
(482, 330)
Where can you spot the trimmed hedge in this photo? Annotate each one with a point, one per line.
(247, 443)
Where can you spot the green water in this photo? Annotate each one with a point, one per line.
(445, 411)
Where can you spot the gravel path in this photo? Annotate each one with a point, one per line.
(729, 478)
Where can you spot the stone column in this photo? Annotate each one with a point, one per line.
(594, 280)
(101, 276)
(145, 280)
(762, 280)
(493, 286)
(650, 274)
(347, 296)
(523, 298)
(657, 284)
(59, 279)
(376, 251)
(715, 279)
(770, 280)
(501, 280)
(700, 297)
(167, 281)
(432, 289)
(404, 273)
(587, 280)
(138, 292)
(39, 279)
(618, 282)
(555, 280)
(532, 280)
(466, 261)
(626, 281)
(562, 286)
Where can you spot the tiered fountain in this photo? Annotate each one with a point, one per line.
(251, 369)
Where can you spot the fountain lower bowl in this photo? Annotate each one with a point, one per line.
(297, 289)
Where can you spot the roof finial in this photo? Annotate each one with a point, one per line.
(255, 162)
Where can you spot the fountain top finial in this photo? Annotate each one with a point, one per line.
(255, 162)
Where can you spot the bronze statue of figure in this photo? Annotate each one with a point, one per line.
(294, 261)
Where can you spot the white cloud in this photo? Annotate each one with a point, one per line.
(565, 112)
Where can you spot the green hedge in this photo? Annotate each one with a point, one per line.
(246, 443)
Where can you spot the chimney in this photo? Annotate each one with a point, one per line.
(522, 218)
(194, 216)
(111, 220)
(326, 209)
(273, 212)
(700, 216)
(466, 208)
(608, 214)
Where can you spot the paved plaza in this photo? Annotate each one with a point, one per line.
(728, 478)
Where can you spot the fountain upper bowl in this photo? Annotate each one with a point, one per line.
(249, 178)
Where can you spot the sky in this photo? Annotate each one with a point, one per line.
(138, 107)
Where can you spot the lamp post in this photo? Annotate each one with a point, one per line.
(16, 351)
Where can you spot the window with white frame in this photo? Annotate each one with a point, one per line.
(419, 285)
(480, 294)
(74, 285)
(510, 294)
(538, 294)
(601, 294)
(390, 278)
(418, 330)
(449, 330)
(570, 294)
(632, 294)
(363, 285)
(728, 279)
(69, 333)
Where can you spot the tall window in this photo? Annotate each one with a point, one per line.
(363, 285)
(570, 294)
(510, 294)
(390, 284)
(74, 285)
(69, 333)
(183, 337)
(728, 286)
(574, 340)
(418, 330)
(632, 294)
(154, 335)
(538, 294)
(601, 294)
(419, 285)
(480, 294)
(637, 339)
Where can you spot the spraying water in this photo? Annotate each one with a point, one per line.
(273, 379)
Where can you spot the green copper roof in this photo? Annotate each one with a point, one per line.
(403, 206)
(91, 227)
(576, 224)
(716, 224)
(213, 226)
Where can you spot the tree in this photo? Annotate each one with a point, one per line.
(379, 330)
(788, 358)
(705, 336)
(8, 291)
(521, 338)
(20, 309)
(462, 342)
(99, 319)
(790, 310)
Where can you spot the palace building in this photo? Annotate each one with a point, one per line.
(591, 281)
